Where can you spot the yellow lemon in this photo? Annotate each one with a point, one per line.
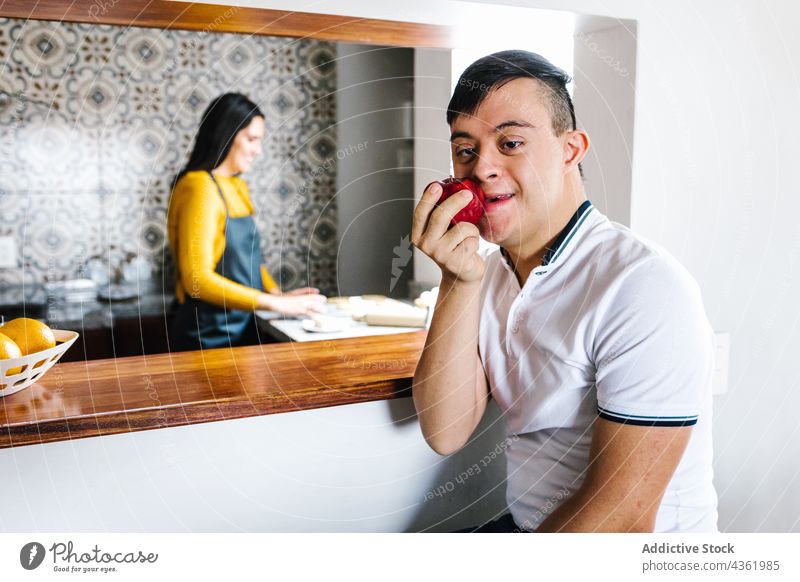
(8, 349)
(29, 334)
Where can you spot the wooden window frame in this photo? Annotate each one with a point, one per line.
(222, 18)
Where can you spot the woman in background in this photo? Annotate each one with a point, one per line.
(222, 279)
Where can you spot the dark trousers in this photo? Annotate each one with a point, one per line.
(504, 524)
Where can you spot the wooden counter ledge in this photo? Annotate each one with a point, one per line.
(101, 397)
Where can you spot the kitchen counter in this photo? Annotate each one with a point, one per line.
(83, 315)
(107, 329)
(102, 397)
(99, 313)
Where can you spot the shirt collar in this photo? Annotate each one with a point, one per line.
(567, 233)
(563, 238)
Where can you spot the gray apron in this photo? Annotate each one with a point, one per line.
(201, 325)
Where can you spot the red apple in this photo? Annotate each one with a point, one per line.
(474, 209)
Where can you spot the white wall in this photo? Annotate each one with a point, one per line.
(432, 86)
(604, 95)
(717, 119)
(357, 468)
(374, 185)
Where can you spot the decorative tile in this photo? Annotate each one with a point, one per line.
(283, 146)
(288, 268)
(43, 48)
(153, 232)
(94, 98)
(319, 187)
(144, 53)
(45, 94)
(5, 40)
(13, 108)
(236, 58)
(185, 101)
(282, 59)
(56, 231)
(146, 99)
(154, 191)
(14, 192)
(12, 93)
(98, 44)
(322, 274)
(95, 121)
(319, 63)
(323, 234)
(190, 52)
(136, 153)
(283, 104)
(135, 229)
(283, 189)
(317, 147)
(321, 104)
(114, 229)
(57, 155)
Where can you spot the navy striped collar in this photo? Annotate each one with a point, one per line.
(563, 238)
(566, 233)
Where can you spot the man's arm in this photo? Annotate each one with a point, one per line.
(450, 388)
(629, 470)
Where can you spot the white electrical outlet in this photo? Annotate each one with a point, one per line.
(8, 252)
(722, 348)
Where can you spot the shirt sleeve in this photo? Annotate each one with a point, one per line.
(654, 350)
(267, 280)
(200, 224)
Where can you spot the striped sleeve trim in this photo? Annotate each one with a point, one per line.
(646, 420)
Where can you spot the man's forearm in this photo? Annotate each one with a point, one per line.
(445, 379)
(589, 511)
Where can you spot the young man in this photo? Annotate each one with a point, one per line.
(593, 342)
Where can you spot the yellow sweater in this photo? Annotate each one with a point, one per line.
(196, 231)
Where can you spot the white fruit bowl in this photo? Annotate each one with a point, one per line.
(34, 366)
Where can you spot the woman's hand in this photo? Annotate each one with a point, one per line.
(294, 305)
(303, 291)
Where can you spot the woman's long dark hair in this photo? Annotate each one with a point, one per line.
(224, 117)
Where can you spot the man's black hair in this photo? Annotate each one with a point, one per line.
(493, 71)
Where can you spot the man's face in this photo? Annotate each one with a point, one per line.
(509, 147)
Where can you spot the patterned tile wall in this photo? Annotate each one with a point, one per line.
(96, 120)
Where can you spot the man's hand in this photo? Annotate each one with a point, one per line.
(454, 250)
(629, 470)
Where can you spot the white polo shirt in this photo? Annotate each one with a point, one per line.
(609, 325)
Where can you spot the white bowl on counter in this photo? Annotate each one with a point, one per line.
(34, 366)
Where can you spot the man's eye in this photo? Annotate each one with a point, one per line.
(512, 144)
(465, 152)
